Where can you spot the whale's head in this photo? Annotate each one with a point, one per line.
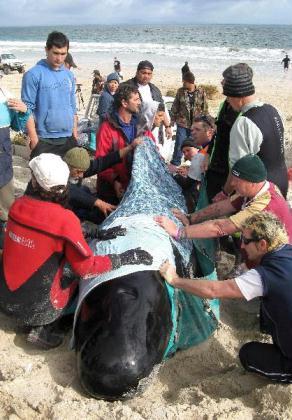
(121, 333)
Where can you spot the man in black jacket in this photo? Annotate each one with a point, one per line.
(85, 204)
(147, 90)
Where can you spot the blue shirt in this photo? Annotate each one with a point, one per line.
(50, 94)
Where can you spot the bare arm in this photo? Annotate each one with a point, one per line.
(222, 208)
(201, 287)
(227, 188)
(167, 122)
(209, 229)
(75, 132)
(32, 134)
(125, 150)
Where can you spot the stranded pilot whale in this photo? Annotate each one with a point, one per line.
(129, 320)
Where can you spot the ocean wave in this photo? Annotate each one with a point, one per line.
(192, 52)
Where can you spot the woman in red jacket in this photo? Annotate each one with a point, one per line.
(41, 237)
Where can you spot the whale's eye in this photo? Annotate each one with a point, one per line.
(129, 291)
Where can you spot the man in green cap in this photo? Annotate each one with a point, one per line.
(85, 204)
(253, 194)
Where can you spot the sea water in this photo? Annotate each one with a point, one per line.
(206, 47)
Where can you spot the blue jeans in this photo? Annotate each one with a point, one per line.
(181, 135)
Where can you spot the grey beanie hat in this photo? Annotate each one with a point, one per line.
(113, 76)
(238, 81)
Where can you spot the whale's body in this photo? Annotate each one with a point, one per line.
(129, 320)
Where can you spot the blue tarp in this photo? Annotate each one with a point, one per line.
(152, 191)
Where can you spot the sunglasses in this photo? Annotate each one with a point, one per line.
(247, 241)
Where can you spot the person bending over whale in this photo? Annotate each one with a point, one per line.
(85, 204)
(42, 235)
(265, 240)
(254, 194)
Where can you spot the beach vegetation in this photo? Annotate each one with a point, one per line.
(211, 90)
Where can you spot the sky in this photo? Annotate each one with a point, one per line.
(58, 12)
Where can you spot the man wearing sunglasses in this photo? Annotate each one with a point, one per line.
(265, 240)
(253, 194)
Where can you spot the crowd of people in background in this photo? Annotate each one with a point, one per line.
(237, 155)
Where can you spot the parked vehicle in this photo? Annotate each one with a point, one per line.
(8, 63)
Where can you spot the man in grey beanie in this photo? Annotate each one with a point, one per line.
(258, 129)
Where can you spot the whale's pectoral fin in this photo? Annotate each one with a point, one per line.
(111, 233)
(131, 257)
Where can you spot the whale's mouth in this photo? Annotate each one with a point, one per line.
(113, 381)
(119, 347)
(130, 393)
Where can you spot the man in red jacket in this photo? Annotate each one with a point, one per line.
(123, 125)
(36, 288)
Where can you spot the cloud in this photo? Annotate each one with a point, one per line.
(53, 12)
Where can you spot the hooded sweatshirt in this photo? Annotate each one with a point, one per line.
(105, 103)
(50, 94)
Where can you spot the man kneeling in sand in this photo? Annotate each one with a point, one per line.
(265, 241)
(84, 203)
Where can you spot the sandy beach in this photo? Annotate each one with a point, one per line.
(275, 90)
(204, 382)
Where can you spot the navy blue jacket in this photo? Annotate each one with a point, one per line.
(80, 197)
(105, 104)
(276, 307)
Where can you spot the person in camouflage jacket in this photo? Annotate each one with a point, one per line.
(190, 101)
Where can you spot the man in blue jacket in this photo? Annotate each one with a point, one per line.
(265, 241)
(48, 90)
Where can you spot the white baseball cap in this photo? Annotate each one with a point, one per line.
(49, 170)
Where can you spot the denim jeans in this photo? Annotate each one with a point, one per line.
(181, 135)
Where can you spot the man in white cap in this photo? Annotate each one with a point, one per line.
(42, 236)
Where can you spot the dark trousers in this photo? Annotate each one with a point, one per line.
(57, 149)
(266, 360)
(93, 215)
(190, 191)
(215, 182)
